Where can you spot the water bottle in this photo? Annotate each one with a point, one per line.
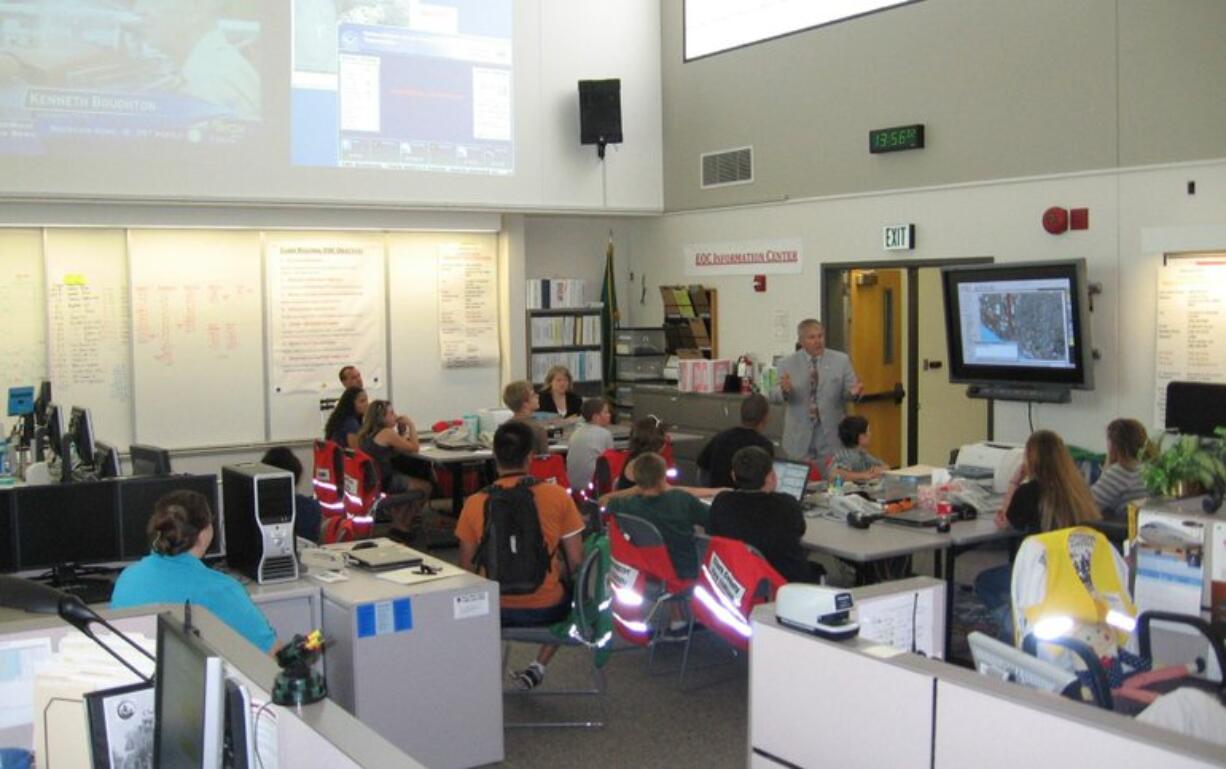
(6, 460)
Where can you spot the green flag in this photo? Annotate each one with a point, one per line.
(608, 315)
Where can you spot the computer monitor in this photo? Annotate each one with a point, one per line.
(81, 431)
(56, 429)
(42, 402)
(57, 524)
(106, 460)
(792, 478)
(21, 401)
(137, 496)
(149, 460)
(189, 700)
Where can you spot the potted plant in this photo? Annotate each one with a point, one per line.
(1189, 465)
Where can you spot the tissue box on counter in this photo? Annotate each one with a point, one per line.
(699, 375)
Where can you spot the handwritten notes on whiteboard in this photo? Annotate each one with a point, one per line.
(467, 306)
(197, 336)
(23, 350)
(1191, 325)
(326, 309)
(88, 340)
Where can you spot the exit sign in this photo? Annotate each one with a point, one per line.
(898, 237)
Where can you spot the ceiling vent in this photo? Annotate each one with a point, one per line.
(734, 166)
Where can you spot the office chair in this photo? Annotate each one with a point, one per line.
(644, 583)
(550, 468)
(1071, 607)
(327, 477)
(589, 626)
(733, 578)
(608, 468)
(364, 497)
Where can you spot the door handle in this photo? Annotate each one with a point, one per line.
(932, 365)
(896, 394)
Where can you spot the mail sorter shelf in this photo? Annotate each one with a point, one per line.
(690, 319)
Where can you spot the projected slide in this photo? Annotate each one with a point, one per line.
(1017, 323)
(403, 84)
(90, 75)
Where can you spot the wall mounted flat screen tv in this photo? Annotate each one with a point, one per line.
(1024, 323)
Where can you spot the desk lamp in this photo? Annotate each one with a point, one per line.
(27, 595)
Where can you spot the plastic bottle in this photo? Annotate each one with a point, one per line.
(6, 460)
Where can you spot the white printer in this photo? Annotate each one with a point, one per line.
(988, 460)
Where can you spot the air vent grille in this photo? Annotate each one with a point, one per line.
(278, 568)
(734, 166)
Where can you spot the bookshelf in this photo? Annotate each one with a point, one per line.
(690, 320)
(570, 337)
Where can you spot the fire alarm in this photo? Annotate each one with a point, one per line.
(759, 283)
(1055, 220)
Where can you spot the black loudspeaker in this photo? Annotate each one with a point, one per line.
(600, 112)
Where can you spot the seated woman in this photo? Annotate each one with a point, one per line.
(557, 397)
(389, 439)
(307, 513)
(1046, 493)
(1120, 482)
(180, 532)
(852, 462)
(346, 418)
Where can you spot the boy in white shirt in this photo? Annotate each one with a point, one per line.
(591, 439)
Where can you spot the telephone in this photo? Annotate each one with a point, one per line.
(458, 438)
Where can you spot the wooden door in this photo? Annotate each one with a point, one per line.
(947, 419)
(876, 350)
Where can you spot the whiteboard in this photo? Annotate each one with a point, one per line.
(197, 337)
(23, 346)
(88, 347)
(1191, 324)
(326, 307)
(422, 387)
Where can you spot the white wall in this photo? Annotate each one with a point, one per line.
(999, 219)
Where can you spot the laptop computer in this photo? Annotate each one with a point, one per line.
(792, 477)
(383, 557)
(914, 517)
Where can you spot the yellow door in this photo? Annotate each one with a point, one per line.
(877, 354)
(947, 418)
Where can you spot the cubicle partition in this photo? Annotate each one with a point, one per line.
(858, 703)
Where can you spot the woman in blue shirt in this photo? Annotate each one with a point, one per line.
(180, 532)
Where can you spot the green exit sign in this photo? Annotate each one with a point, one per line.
(903, 137)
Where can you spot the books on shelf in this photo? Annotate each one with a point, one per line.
(565, 330)
(555, 293)
(584, 365)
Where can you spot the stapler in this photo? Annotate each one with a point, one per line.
(823, 611)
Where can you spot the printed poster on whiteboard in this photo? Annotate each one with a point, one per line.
(467, 306)
(750, 257)
(1190, 325)
(326, 309)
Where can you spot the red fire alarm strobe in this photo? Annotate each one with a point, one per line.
(1055, 220)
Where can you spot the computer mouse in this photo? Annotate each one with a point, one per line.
(364, 545)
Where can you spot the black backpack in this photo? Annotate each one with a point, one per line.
(512, 551)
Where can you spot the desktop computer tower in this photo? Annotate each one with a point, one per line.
(259, 521)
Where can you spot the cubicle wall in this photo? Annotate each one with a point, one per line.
(858, 704)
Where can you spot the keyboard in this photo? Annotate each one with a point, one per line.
(973, 472)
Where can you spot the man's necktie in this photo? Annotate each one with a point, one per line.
(813, 415)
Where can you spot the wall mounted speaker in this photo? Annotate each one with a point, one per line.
(600, 112)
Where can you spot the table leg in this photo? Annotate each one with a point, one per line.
(950, 559)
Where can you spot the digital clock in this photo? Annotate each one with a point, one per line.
(904, 137)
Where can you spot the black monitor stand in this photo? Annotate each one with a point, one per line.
(92, 584)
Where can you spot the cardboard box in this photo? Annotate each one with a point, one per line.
(702, 376)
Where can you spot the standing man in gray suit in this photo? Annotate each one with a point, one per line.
(814, 383)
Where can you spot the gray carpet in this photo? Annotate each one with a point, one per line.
(649, 721)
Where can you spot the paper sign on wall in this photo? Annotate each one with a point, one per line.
(753, 257)
(471, 605)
